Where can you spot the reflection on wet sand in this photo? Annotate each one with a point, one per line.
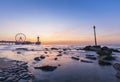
(59, 64)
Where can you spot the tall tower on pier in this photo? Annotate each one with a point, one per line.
(95, 35)
(38, 41)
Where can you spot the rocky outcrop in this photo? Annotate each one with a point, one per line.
(104, 51)
(15, 72)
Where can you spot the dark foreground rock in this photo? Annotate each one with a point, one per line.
(46, 68)
(91, 57)
(104, 51)
(59, 55)
(41, 80)
(97, 48)
(104, 62)
(25, 49)
(14, 73)
(42, 57)
(118, 75)
(92, 48)
(55, 58)
(109, 58)
(86, 61)
(39, 58)
(54, 49)
(75, 58)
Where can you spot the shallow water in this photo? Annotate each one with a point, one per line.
(68, 70)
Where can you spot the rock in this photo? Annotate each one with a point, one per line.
(2, 78)
(86, 61)
(118, 75)
(60, 52)
(64, 49)
(26, 75)
(92, 48)
(42, 57)
(64, 52)
(18, 52)
(1, 71)
(104, 62)
(22, 63)
(37, 59)
(117, 66)
(115, 50)
(59, 64)
(32, 50)
(23, 80)
(55, 58)
(108, 58)
(46, 68)
(25, 49)
(13, 78)
(78, 48)
(40, 80)
(45, 52)
(104, 51)
(15, 72)
(22, 71)
(46, 49)
(75, 58)
(87, 48)
(59, 55)
(54, 48)
(91, 57)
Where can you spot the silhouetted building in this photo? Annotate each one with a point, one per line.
(38, 41)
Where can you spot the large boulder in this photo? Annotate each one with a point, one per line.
(104, 51)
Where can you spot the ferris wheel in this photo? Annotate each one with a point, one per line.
(20, 37)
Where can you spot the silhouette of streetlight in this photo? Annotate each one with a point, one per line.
(95, 36)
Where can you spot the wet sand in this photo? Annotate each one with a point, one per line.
(66, 62)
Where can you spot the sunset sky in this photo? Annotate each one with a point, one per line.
(61, 21)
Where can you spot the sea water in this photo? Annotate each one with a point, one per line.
(68, 69)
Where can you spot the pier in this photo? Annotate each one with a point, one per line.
(20, 39)
(3, 42)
